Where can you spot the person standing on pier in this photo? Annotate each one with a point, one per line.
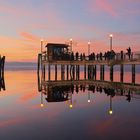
(129, 52)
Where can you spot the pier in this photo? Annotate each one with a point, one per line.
(2, 82)
(59, 55)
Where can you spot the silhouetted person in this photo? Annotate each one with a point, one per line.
(121, 55)
(77, 55)
(81, 57)
(72, 56)
(129, 52)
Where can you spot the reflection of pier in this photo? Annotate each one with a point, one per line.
(2, 83)
(60, 91)
(103, 84)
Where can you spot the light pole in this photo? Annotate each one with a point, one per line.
(71, 106)
(111, 41)
(41, 45)
(89, 43)
(110, 109)
(89, 97)
(42, 105)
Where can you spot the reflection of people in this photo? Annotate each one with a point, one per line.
(128, 96)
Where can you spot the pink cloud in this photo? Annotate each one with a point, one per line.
(29, 36)
(104, 5)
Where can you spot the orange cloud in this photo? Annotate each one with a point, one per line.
(10, 122)
(29, 36)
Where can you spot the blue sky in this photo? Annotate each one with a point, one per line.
(24, 23)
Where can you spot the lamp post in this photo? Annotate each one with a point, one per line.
(42, 105)
(111, 41)
(110, 109)
(89, 43)
(89, 97)
(41, 45)
(71, 106)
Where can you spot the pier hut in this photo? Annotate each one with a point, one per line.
(57, 51)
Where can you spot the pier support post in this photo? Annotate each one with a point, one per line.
(72, 72)
(111, 72)
(85, 69)
(121, 72)
(49, 72)
(44, 72)
(39, 62)
(55, 72)
(101, 72)
(88, 72)
(67, 72)
(133, 73)
(94, 72)
(62, 72)
(77, 72)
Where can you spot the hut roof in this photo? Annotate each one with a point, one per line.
(57, 45)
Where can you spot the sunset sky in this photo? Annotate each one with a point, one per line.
(24, 22)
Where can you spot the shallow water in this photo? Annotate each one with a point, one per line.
(22, 116)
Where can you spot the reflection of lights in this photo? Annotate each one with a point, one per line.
(88, 101)
(42, 105)
(71, 106)
(110, 112)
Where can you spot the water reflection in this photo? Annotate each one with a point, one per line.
(2, 83)
(61, 91)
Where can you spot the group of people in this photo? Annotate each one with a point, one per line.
(109, 55)
(100, 56)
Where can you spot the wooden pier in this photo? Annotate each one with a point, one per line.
(2, 83)
(71, 68)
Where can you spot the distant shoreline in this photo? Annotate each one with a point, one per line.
(32, 66)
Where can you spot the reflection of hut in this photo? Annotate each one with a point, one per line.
(57, 51)
(58, 93)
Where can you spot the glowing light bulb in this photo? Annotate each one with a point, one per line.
(89, 43)
(111, 35)
(110, 112)
(71, 40)
(71, 106)
(42, 105)
(88, 101)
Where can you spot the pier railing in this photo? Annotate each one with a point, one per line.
(116, 59)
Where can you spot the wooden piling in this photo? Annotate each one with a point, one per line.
(55, 72)
(111, 72)
(67, 72)
(85, 69)
(49, 72)
(133, 73)
(121, 72)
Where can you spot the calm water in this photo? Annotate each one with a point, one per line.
(22, 116)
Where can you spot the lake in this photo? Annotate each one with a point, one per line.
(27, 113)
